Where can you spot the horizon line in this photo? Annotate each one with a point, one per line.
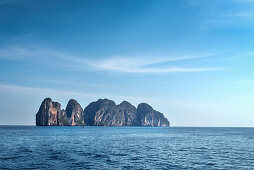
(141, 126)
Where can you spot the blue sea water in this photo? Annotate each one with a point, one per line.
(34, 147)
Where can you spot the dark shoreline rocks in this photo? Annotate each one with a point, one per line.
(102, 112)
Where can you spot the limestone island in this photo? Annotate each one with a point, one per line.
(103, 112)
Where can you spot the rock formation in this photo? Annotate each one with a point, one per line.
(97, 113)
(129, 113)
(149, 117)
(107, 113)
(62, 119)
(74, 113)
(48, 113)
(103, 112)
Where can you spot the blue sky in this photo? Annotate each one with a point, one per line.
(190, 59)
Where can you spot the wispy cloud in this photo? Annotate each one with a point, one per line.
(148, 64)
(50, 92)
(132, 66)
(16, 89)
(38, 91)
(116, 64)
(213, 14)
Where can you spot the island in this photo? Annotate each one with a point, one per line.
(102, 112)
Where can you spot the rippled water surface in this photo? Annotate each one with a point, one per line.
(126, 148)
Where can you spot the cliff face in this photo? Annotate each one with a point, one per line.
(103, 112)
(149, 117)
(107, 113)
(62, 119)
(74, 113)
(48, 113)
(98, 113)
(127, 112)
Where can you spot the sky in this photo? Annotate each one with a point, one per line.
(192, 60)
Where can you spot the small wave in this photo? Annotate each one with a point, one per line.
(77, 165)
(135, 158)
(210, 164)
(183, 150)
(127, 167)
(11, 158)
(119, 154)
(56, 156)
(26, 150)
(101, 156)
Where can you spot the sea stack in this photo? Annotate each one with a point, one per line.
(74, 113)
(105, 112)
(102, 112)
(149, 117)
(48, 113)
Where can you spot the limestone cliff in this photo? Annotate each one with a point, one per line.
(149, 117)
(74, 113)
(103, 112)
(99, 113)
(48, 113)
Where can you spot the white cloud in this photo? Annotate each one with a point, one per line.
(49, 92)
(139, 68)
(147, 64)
(38, 91)
(213, 14)
(116, 64)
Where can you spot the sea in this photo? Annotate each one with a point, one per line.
(31, 147)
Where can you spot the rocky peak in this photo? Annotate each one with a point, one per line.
(101, 112)
(95, 112)
(125, 104)
(105, 103)
(74, 113)
(72, 104)
(48, 113)
(149, 117)
(144, 108)
(47, 100)
(106, 112)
